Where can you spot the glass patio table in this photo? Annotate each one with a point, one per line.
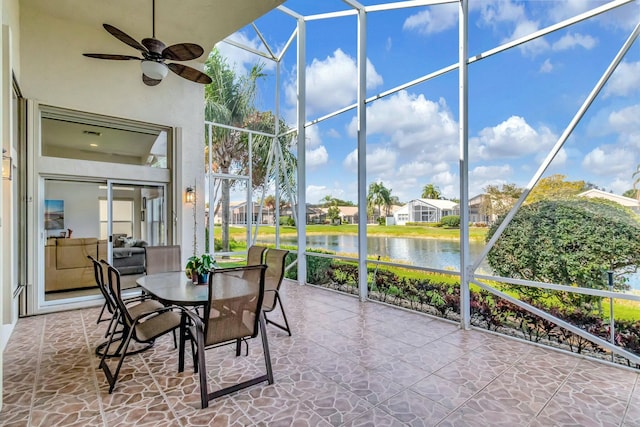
(177, 289)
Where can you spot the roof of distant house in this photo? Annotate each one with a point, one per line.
(622, 200)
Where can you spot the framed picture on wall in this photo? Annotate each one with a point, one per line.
(54, 214)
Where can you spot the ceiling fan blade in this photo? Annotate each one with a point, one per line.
(183, 52)
(110, 56)
(154, 45)
(190, 73)
(123, 37)
(149, 81)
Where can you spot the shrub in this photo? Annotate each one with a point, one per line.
(318, 268)
(451, 221)
(287, 220)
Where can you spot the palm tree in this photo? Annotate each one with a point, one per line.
(430, 191)
(379, 195)
(266, 122)
(229, 100)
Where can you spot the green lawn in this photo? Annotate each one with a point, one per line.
(476, 233)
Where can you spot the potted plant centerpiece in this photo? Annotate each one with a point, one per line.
(198, 268)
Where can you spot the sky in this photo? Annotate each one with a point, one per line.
(520, 101)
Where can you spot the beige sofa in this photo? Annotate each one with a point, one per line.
(67, 265)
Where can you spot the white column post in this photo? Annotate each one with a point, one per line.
(302, 182)
(465, 296)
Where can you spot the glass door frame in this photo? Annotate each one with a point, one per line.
(111, 183)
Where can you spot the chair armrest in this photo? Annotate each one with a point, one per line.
(231, 269)
(154, 312)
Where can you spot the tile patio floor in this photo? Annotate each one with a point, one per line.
(347, 364)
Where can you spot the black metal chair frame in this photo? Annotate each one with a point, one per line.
(116, 319)
(277, 301)
(130, 325)
(197, 329)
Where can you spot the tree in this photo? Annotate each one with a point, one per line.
(569, 242)
(499, 199)
(261, 150)
(379, 196)
(430, 191)
(554, 187)
(329, 200)
(632, 193)
(229, 100)
(333, 212)
(395, 201)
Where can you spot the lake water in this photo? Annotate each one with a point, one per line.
(433, 253)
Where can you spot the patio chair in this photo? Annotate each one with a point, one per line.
(232, 314)
(140, 325)
(255, 255)
(275, 261)
(137, 305)
(108, 301)
(160, 259)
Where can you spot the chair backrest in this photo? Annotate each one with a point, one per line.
(160, 259)
(235, 301)
(99, 276)
(255, 255)
(275, 261)
(113, 280)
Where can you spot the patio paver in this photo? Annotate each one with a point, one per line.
(343, 366)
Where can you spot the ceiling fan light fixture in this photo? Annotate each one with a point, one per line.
(154, 70)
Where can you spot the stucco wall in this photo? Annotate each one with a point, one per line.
(54, 72)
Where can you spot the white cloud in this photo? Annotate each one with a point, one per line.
(409, 178)
(316, 157)
(624, 81)
(380, 161)
(482, 176)
(532, 47)
(434, 19)
(332, 83)
(569, 41)
(625, 17)
(626, 124)
(420, 128)
(444, 179)
(241, 60)
(315, 193)
(512, 138)
(608, 160)
(421, 169)
(333, 133)
(312, 136)
(546, 66)
(568, 8)
(626, 120)
(488, 173)
(619, 186)
(559, 160)
(492, 12)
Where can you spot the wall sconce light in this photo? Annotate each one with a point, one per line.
(190, 195)
(7, 165)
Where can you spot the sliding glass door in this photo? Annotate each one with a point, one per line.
(110, 220)
(133, 215)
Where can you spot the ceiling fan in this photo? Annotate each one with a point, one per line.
(154, 55)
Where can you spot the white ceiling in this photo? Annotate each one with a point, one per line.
(204, 22)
